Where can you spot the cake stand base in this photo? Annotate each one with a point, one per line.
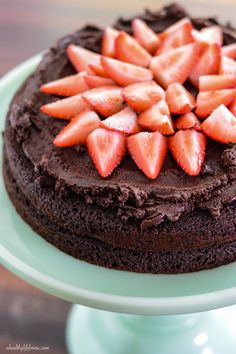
(100, 332)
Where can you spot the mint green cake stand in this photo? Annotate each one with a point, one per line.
(119, 312)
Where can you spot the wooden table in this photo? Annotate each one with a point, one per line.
(27, 315)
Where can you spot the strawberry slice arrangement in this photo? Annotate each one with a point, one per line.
(146, 94)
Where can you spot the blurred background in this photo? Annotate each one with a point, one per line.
(27, 315)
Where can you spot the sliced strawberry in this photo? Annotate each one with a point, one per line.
(175, 65)
(81, 58)
(108, 42)
(221, 125)
(77, 131)
(106, 148)
(227, 66)
(98, 81)
(105, 100)
(129, 50)
(232, 107)
(142, 95)
(187, 121)
(125, 74)
(210, 100)
(208, 64)
(174, 27)
(66, 108)
(124, 121)
(188, 149)
(157, 118)
(216, 82)
(67, 86)
(148, 151)
(178, 38)
(98, 70)
(229, 50)
(210, 35)
(179, 100)
(146, 37)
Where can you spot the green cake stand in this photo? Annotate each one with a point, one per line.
(118, 312)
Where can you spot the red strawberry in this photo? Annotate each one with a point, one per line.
(125, 74)
(108, 42)
(142, 95)
(77, 131)
(174, 27)
(228, 66)
(229, 51)
(178, 38)
(65, 108)
(216, 82)
(175, 65)
(187, 121)
(157, 118)
(232, 107)
(179, 100)
(210, 35)
(146, 37)
(98, 81)
(148, 151)
(98, 70)
(106, 148)
(208, 64)
(81, 58)
(221, 125)
(124, 121)
(67, 86)
(210, 100)
(188, 149)
(129, 50)
(105, 100)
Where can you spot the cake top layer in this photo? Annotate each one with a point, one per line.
(127, 189)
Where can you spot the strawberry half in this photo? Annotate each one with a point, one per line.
(228, 66)
(209, 100)
(66, 108)
(67, 86)
(179, 100)
(77, 131)
(188, 149)
(108, 42)
(148, 151)
(106, 148)
(174, 27)
(157, 118)
(187, 121)
(142, 95)
(232, 107)
(208, 64)
(105, 100)
(178, 38)
(125, 74)
(210, 35)
(124, 121)
(129, 50)
(98, 70)
(221, 125)
(216, 82)
(98, 81)
(229, 51)
(176, 65)
(146, 37)
(81, 58)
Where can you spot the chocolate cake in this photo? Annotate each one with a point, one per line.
(172, 224)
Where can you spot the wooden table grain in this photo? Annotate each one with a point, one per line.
(27, 315)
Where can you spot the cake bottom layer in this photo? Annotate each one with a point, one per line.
(97, 252)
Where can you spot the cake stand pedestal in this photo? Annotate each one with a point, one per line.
(142, 313)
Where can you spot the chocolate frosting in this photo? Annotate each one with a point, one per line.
(127, 191)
